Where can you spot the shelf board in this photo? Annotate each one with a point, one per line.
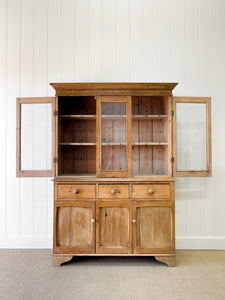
(151, 117)
(114, 144)
(84, 117)
(77, 144)
(150, 144)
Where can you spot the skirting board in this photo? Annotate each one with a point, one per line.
(201, 243)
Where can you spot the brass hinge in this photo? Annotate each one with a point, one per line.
(172, 113)
(55, 159)
(55, 113)
(172, 159)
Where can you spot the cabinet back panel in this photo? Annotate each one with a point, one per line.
(78, 159)
(72, 105)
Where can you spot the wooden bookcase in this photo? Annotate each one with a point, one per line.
(114, 162)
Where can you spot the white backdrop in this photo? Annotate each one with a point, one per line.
(44, 41)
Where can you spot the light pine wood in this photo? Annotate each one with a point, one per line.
(152, 227)
(103, 204)
(75, 191)
(34, 173)
(114, 191)
(113, 227)
(151, 191)
(74, 227)
(58, 260)
(168, 260)
(194, 173)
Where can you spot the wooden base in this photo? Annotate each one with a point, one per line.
(168, 260)
(60, 259)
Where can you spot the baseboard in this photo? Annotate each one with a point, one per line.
(28, 242)
(43, 242)
(203, 243)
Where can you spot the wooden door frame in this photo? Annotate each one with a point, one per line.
(194, 173)
(34, 173)
(109, 249)
(112, 173)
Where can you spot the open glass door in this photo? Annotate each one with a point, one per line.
(35, 149)
(192, 137)
(114, 136)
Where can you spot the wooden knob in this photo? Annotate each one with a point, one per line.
(151, 191)
(134, 221)
(113, 191)
(92, 220)
(76, 191)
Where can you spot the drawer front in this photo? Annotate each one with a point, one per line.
(76, 191)
(113, 191)
(151, 191)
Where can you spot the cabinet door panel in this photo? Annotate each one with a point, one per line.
(192, 137)
(113, 227)
(36, 122)
(153, 227)
(75, 228)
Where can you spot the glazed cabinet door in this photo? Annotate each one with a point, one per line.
(113, 136)
(192, 137)
(153, 227)
(74, 227)
(35, 137)
(113, 227)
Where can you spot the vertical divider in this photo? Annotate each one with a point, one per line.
(98, 136)
(129, 130)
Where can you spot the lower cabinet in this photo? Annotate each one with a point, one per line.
(119, 227)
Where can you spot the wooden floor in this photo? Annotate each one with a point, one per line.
(29, 274)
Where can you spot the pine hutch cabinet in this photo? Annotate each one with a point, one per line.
(116, 149)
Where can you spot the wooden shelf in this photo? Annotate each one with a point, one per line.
(83, 117)
(77, 144)
(114, 144)
(150, 117)
(150, 144)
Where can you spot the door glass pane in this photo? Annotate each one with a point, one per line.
(113, 136)
(36, 136)
(191, 136)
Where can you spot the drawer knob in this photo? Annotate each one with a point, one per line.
(151, 191)
(113, 191)
(76, 191)
(134, 221)
(92, 220)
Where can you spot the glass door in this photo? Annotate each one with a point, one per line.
(114, 136)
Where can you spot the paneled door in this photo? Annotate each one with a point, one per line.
(114, 227)
(153, 227)
(75, 227)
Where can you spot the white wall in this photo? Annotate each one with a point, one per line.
(44, 41)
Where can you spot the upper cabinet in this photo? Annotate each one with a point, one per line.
(113, 130)
(192, 137)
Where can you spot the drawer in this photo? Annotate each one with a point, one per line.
(151, 191)
(113, 191)
(76, 191)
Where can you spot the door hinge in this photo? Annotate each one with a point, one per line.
(172, 159)
(55, 113)
(172, 113)
(55, 159)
